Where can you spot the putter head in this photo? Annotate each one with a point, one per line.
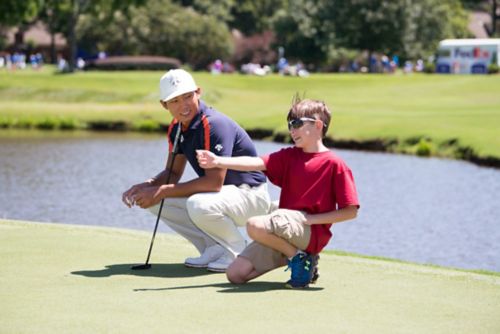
(141, 266)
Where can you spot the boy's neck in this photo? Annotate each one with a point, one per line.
(315, 147)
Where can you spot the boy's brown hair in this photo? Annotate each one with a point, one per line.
(310, 108)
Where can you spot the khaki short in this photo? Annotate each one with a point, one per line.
(287, 224)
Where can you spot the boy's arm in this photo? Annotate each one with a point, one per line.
(207, 159)
(332, 217)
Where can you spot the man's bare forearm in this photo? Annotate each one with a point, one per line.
(186, 189)
(161, 178)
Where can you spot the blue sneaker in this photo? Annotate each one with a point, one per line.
(302, 271)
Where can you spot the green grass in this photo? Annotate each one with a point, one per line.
(439, 107)
(72, 279)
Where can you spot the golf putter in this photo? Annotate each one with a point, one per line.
(146, 265)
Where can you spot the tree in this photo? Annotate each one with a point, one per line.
(221, 9)
(313, 30)
(254, 16)
(430, 21)
(248, 16)
(495, 18)
(298, 30)
(79, 7)
(19, 13)
(14, 12)
(182, 33)
(373, 25)
(160, 28)
(61, 15)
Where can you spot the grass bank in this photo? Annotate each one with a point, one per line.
(62, 278)
(452, 116)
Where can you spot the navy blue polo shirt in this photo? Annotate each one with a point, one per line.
(213, 131)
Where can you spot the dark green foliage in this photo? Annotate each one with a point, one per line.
(68, 124)
(299, 30)
(424, 148)
(5, 123)
(429, 67)
(147, 125)
(24, 123)
(493, 69)
(47, 124)
(314, 30)
(13, 12)
(159, 28)
(198, 31)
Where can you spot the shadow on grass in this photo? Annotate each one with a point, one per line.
(172, 270)
(237, 288)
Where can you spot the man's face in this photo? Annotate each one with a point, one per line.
(184, 107)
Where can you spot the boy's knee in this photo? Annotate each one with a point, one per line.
(235, 276)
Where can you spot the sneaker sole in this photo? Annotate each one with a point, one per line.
(315, 278)
(216, 270)
(190, 265)
(289, 286)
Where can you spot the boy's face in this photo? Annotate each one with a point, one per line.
(183, 107)
(305, 131)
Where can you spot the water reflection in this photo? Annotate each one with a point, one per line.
(424, 210)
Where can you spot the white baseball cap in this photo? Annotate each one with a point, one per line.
(175, 83)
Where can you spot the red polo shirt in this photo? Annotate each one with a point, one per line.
(312, 182)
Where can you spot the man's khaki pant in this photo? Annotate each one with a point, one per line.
(209, 218)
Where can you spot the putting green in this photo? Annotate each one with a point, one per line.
(61, 278)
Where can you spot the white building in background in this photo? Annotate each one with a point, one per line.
(463, 56)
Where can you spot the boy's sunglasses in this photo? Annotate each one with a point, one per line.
(296, 123)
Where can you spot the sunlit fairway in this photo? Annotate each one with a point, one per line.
(440, 107)
(73, 279)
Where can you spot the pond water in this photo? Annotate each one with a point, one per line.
(433, 211)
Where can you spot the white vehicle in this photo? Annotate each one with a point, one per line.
(467, 55)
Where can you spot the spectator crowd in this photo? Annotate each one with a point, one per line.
(20, 61)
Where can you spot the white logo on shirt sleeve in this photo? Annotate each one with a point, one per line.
(219, 147)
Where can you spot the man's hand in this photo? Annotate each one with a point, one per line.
(148, 196)
(206, 159)
(128, 197)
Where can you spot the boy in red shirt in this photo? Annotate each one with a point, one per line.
(317, 190)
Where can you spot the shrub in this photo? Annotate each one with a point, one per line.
(5, 123)
(493, 69)
(47, 124)
(134, 63)
(343, 60)
(147, 125)
(68, 124)
(24, 123)
(430, 67)
(424, 148)
(158, 28)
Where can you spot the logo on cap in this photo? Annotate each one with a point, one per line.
(175, 81)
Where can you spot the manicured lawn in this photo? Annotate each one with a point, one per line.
(364, 107)
(72, 279)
